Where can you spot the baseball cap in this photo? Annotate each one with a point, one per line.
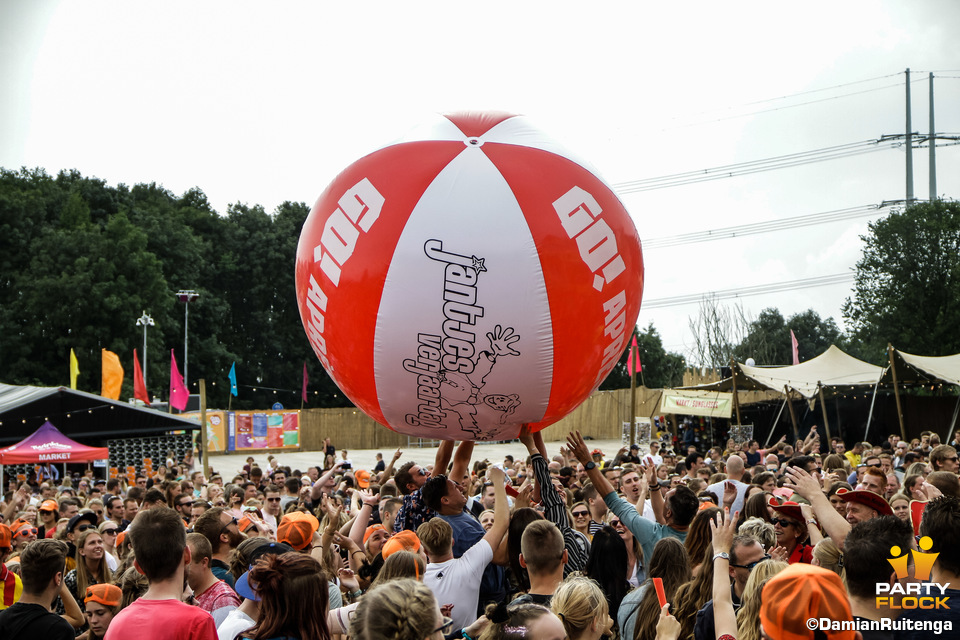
(634, 446)
(406, 540)
(868, 498)
(244, 523)
(121, 537)
(371, 529)
(797, 594)
(49, 505)
(75, 520)
(297, 529)
(6, 536)
(363, 478)
(243, 587)
(106, 594)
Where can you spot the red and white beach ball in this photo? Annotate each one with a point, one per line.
(468, 279)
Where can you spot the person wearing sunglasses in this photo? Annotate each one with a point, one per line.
(23, 534)
(581, 518)
(790, 525)
(109, 532)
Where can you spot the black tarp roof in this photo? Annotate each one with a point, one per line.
(79, 414)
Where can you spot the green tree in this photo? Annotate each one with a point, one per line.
(768, 337)
(907, 288)
(661, 369)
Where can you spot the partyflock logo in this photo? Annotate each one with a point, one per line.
(913, 595)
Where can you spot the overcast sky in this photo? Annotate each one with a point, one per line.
(259, 102)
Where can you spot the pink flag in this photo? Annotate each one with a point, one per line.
(303, 393)
(633, 358)
(178, 392)
(794, 347)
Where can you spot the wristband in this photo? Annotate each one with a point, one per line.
(653, 486)
(463, 633)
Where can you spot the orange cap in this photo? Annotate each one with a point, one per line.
(6, 536)
(363, 478)
(244, 523)
(297, 529)
(49, 505)
(121, 537)
(406, 540)
(106, 594)
(797, 594)
(371, 529)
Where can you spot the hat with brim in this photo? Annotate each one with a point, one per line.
(868, 498)
(406, 540)
(801, 593)
(790, 509)
(89, 516)
(243, 587)
(297, 528)
(363, 478)
(49, 505)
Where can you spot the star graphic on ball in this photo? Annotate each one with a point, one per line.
(478, 264)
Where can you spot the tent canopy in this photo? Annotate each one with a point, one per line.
(928, 368)
(832, 368)
(47, 445)
(24, 409)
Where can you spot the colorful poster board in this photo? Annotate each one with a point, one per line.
(247, 430)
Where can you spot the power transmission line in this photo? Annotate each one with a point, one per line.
(767, 226)
(757, 166)
(742, 292)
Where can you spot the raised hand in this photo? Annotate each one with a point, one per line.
(501, 340)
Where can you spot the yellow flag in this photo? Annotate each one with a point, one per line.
(74, 369)
(111, 375)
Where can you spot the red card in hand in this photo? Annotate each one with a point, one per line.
(661, 596)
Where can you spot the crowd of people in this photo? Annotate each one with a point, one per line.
(793, 541)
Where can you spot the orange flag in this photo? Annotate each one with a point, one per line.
(139, 387)
(111, 377)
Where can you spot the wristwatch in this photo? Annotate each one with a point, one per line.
(590, 465)
(722, 554)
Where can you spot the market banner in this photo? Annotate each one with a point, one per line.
(714, 404)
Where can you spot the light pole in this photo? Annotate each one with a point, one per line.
(186, 297)
(145, 321)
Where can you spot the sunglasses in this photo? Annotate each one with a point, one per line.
(112, 532)
(423, 471)
(615, 523)
(580, 514)
(952, 459)
(232, 521)
(85, 527)
(446, 627)
(27, 532)
(784, 523)
(750, 566)
(273, 499)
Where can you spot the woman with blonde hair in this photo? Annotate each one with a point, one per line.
(580, 515)
(91, 567)
(581, 606)
(828, 555)
(748, 617)
(401, 565)
(400, 610)
(521, 622)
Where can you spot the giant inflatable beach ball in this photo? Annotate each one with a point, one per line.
(469, 279)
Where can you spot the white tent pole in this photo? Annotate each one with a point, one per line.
(953, 423)
(870, 415)
(775, 421)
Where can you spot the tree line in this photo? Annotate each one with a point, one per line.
(81, 260)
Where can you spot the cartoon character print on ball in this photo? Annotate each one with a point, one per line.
(469, 279)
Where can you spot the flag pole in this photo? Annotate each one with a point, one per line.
(203, 427)
(633, 388)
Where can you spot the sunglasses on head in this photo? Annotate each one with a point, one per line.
(750, 566)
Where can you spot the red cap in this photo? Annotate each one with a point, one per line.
(868, 498)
